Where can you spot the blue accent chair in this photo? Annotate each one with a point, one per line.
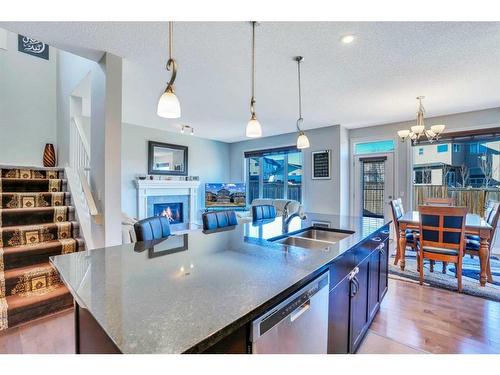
(218, 220)
(152, 228)
(263, 212)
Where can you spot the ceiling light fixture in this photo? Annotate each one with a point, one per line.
(346, 39)
(254, 129)
(418, 131)
(302, 140)
(187, 127)
(168, 104)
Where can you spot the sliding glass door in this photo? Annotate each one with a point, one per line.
(275, 174)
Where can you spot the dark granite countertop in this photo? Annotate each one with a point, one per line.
(191, 287)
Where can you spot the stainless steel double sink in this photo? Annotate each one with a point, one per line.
(314, 239)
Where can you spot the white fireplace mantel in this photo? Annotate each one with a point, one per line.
(147, 188)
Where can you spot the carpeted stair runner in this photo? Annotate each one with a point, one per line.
(36, 222)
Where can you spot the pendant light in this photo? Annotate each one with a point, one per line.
(168, 104)
(254, 129)
(302, 140)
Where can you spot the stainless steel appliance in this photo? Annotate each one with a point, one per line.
(297, 325)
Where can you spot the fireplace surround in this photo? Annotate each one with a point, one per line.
(151, 192)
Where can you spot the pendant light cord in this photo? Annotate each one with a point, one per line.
(170, 37)
(300, 119)
(252, 101)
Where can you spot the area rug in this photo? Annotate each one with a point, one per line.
(470, 275)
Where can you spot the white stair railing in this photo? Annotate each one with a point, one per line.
(78, 177)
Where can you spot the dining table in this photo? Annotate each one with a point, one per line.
(474, 224)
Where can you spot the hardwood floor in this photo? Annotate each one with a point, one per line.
(412, 318)
(53, 334)
(438, 321)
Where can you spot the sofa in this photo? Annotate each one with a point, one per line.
(293, 207)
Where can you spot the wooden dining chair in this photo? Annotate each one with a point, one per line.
(442, 237)
(397, 211)
(447, 202)
(473, 242)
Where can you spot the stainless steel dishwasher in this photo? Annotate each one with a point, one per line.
(297, 325)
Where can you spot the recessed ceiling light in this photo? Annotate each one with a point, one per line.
(346, 39)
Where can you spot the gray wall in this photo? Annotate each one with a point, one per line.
(27, 105)
(464, 121)
(72, 69)
(207, 159)
(322, 196)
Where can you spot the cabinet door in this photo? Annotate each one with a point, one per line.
(359, 305)
(338, 318)
(384, 270)
(373, 284)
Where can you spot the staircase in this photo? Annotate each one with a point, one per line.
(36, 222)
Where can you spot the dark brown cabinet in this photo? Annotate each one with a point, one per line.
(383, 282)
(356, 298)
(359, 292)
(338, 318)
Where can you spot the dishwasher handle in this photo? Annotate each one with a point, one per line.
(300, 310)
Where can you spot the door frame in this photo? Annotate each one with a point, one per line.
(352, 156)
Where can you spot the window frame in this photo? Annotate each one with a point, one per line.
(285, 177)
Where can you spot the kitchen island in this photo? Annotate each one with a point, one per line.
(198, 292)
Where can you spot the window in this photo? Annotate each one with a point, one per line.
(456, 147)
(442, 148)
(422, 176)
(253, 178)
(275, 174)
(421, 151)
(473, 149)
(374, 147)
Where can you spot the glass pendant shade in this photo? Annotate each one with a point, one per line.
(403, 133)
(302, 141)
(254, 129)
(418, 129)
(169, 106)
(438, 129)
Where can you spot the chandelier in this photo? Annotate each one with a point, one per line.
(418, 131)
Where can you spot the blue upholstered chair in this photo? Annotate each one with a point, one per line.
(215, 220)
(442, 237)
(152, 228)
(263, 212)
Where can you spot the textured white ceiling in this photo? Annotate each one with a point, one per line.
(374, 80)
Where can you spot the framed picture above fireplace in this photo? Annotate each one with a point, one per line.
(167, 159)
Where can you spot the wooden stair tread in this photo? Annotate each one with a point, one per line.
(18, 302)
(16, 272)
(44, 225)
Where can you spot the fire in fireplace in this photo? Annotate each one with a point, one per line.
(172, 211)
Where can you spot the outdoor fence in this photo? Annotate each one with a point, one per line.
(274, 190)
(472, 198)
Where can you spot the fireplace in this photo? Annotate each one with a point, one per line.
(172, 211)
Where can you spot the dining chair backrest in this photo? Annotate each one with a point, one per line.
(447, 202)
(490, 204)
(493, 216)
(397, 211)
(443, 227)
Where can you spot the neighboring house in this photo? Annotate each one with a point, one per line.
(440, 164)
